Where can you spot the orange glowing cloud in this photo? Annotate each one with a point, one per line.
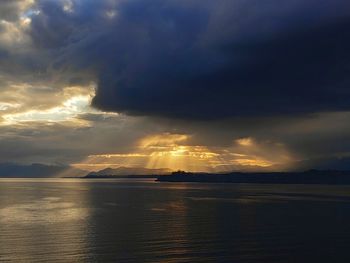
(173, 151)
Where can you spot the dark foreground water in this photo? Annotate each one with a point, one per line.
(67, 220)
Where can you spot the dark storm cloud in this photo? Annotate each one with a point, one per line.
(203, 59)
(240, 68)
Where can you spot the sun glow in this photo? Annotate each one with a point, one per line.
(67, 111)
(253, 162)
(174, 151)
(162, 140)
(245, 141)
(67, 107)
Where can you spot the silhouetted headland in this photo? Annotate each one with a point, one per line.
(331, 177)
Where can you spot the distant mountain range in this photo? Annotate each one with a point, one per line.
(36, 170)
(128, 171)
(327, 163)
(328, 177)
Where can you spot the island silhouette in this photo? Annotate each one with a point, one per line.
(331, 177)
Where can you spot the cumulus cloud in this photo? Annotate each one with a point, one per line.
(203, 59)
(188, 59)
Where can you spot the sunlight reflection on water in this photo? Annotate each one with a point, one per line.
(143, 221)
(45, 211)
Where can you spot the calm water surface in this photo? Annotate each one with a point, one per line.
(72, 220)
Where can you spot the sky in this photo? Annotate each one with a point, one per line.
(195, 85)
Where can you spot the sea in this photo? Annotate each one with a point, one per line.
(134, 220)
